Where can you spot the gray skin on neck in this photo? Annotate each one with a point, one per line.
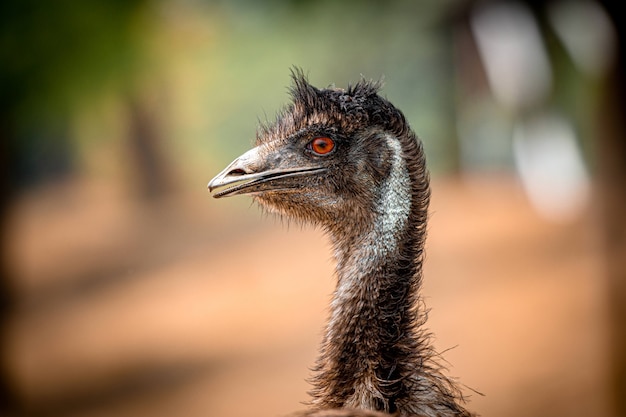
(371, 195)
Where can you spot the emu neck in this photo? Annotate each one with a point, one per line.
(369, 354)
(375, 356)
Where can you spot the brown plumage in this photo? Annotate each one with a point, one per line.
(348, 161)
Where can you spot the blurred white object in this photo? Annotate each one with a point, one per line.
(586, 32)
(511, 48)
(551, 166)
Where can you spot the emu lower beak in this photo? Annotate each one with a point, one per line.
(252, 173)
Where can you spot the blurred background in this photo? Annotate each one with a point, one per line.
(126, 290)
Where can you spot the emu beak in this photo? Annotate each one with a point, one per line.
(239, 172)
(257, 171)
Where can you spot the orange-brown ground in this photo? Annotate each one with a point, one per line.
(197, 307)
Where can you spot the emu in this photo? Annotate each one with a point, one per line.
(348, 161)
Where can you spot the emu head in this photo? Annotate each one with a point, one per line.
(325, 159)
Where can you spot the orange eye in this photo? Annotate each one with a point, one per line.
(322, 145)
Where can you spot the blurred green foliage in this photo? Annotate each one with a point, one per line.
(208, 70)
(56, 57)
(56, 53)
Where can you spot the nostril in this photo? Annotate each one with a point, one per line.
(236, 172)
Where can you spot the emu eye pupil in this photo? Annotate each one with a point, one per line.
(322, 146)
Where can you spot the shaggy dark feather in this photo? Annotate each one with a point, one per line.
(370, 192)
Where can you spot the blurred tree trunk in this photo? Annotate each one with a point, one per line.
(612, 193)
(56, 57)
(145, 141)
(7, 192)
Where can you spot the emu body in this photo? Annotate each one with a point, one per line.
(348, 161)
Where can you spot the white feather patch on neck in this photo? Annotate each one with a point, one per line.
(380, 241)
(370, 250)
(394, 204)
(393, 209)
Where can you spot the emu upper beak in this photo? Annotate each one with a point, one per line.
(255, 172)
